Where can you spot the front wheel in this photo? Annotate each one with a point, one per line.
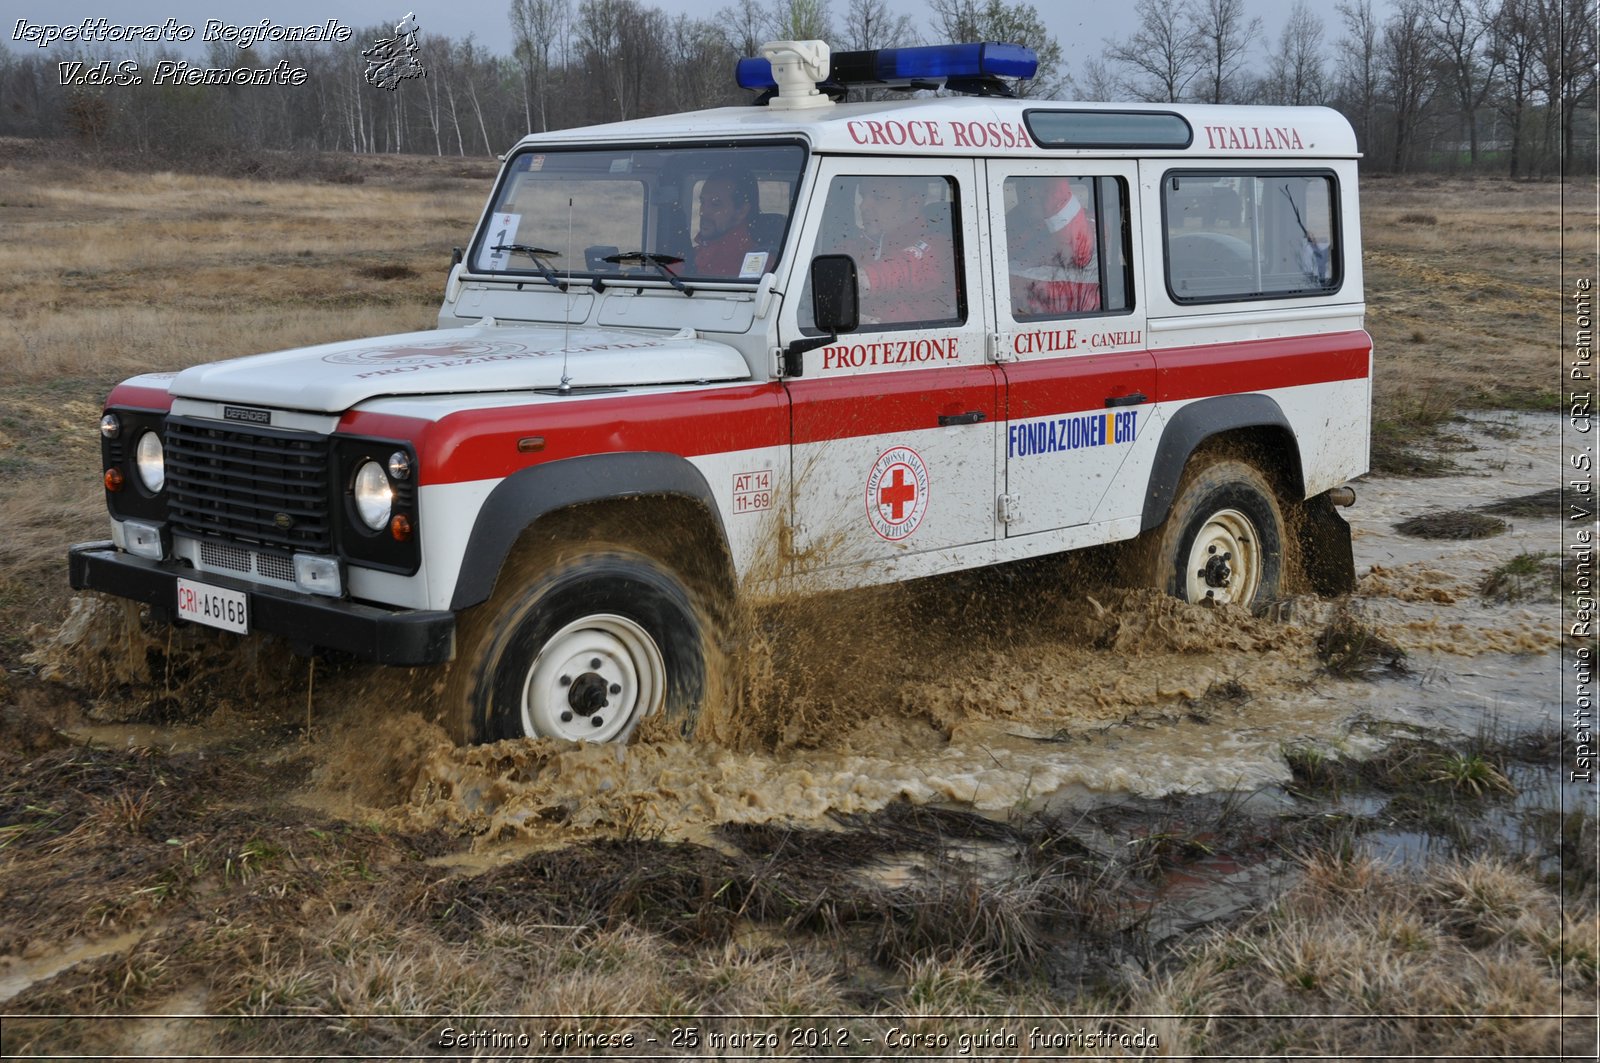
(584, 650)
(1222, 542)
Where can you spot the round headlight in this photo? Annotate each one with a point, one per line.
(151, 459)
(111, 426)
(374, 497)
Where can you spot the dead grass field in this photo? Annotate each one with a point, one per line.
(1465, 300)
(206, 888)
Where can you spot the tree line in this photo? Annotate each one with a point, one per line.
(1504, 86)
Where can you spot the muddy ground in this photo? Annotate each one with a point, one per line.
(1125, 826)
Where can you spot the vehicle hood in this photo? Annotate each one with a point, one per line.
(334, 377)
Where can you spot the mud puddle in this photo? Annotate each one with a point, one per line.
(1097, 696)
(18, 973)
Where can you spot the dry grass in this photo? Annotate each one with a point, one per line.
(1351, 647)
(1454, 524)
(1455, 959)
(107, 273)
(1462, 311)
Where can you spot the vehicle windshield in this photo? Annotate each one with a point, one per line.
(706, 213)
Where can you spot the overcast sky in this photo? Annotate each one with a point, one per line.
(1080, 27)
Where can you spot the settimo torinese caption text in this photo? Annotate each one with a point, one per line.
(104, 31)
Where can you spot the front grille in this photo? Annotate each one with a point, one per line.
(259, 486)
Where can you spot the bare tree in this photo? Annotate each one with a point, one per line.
(971, 21)
(800, 20)
(472, 63)
(538, 28)
(1096, 82)
(1514, 44)
(1358, 67)
(1224, 35)
(1567, 62)
(745, 27)
(1295, 74)
(1462, 30)
(701, 64)
(1408, 61)
(620, 45)
(1162, 57)
(870, 24)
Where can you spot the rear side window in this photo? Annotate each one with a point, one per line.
(1236, 236)
(1067, 246)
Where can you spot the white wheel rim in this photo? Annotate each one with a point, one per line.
(603, 668)
(1224, 564)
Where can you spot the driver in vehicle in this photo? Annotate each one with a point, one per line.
(727, 205)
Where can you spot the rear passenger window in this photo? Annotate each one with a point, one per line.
(1240, 236)
(1067, 247)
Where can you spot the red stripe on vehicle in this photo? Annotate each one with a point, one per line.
(844, 407)
(1045, 386)
(1261, 365)
(140, 398)
(483, 444)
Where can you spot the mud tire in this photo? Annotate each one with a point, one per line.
(532, 644)
(1223, 506)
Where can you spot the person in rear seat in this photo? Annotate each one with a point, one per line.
(1050, 246)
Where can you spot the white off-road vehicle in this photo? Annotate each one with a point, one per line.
(807, 344)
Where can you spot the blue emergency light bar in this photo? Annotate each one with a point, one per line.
(889, 66)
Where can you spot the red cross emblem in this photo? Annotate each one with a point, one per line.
(897, 493)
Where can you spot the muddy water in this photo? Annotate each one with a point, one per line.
(18, 973)
(1091, 695)
(1478, 661)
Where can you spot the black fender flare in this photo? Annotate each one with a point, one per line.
(529, 494)
(1193, 425)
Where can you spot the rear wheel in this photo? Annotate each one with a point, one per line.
(1222, 542)
(584, 650)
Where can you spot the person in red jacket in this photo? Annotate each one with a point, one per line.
(727, 205)
(1051, 249)
(905, 256)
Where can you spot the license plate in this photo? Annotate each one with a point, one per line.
(214, 606)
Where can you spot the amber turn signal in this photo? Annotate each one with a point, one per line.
(400, 528)
(113, 479)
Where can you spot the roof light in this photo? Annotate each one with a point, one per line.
(884, 66)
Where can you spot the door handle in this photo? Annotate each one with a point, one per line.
(946, 420)
(1136, 399)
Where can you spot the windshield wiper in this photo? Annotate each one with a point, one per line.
(538, 254)
(660, 262)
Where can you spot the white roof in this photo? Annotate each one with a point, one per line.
(966, 125)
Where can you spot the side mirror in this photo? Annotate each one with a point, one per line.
(835, 294)
(835, 308)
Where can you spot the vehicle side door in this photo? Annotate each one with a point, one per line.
(894, 424)
(1070, 338)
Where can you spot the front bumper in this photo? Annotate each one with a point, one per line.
(383, 636)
